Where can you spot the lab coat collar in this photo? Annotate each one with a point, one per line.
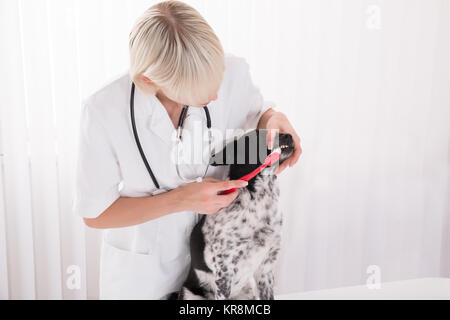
(160, 122)
(162, 125)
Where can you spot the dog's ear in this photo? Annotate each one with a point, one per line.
(224, 158)
(217, 159)
(237, 151)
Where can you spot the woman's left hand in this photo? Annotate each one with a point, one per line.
(278, 121)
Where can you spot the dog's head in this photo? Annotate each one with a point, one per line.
(249, 152)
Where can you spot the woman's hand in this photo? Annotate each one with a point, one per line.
(203, 197)
(272, 121)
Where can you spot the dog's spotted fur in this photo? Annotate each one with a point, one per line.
(233, 252)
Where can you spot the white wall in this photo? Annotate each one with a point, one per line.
(366, 83)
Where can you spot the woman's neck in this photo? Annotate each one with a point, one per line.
(166, 102)
(173, 108)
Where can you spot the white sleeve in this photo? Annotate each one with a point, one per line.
(256, 105)
(97, 174)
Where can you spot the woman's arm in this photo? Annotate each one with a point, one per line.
(201, 197)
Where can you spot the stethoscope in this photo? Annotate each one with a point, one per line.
(178, 140)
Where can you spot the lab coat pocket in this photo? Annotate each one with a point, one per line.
(173, 235)
(144, 237)
(128, 275)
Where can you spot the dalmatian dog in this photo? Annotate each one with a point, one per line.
(233, 252)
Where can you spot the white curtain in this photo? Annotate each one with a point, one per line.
(366, 84)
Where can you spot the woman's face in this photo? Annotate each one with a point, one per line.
(166, 94)
(184, 102)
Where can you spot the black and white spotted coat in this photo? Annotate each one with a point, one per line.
(234, 251)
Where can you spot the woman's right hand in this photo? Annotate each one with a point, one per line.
(204, 197)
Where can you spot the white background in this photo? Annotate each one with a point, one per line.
(366, 84)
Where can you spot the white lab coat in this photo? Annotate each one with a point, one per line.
(150, 260)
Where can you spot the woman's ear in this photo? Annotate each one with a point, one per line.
(146, 84)
(146, 80)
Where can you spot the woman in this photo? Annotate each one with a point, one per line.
(175, 60)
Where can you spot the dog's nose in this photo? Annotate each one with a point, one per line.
(290, 139)
(285, 139)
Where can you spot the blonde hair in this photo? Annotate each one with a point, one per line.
(173, 46)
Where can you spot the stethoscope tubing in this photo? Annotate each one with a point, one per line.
(179, 129)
